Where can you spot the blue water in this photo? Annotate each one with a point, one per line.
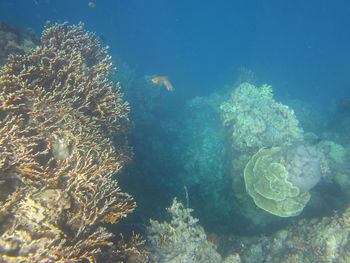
(299, 47)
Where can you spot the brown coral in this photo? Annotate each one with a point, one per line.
(63, 133)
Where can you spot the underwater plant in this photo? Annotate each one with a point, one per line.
(62, 141)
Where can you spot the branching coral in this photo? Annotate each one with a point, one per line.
(62, 139)
(180, 240)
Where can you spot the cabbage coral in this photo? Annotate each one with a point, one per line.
(279, 178)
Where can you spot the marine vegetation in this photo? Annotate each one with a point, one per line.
(63, 128)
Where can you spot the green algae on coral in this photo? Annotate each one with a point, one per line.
(267, 183)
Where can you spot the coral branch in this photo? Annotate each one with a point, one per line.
(62, 139)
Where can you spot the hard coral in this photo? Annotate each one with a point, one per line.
(180, 240)
(62, 139)
(305, 241)
(279, 178)
(254, 119)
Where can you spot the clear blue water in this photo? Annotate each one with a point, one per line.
(300, 47)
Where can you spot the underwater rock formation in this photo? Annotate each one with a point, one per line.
(256, 120)
(202, 154)
(279, 178)
(62, 139)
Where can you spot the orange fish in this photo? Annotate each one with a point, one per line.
(163, 80)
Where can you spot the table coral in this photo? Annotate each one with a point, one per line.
(62, 139)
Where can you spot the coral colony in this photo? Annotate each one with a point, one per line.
(59, 115)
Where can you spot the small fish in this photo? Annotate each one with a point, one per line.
(163, 80)
(92, 4)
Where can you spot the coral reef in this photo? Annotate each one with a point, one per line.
(279, 178)
(256, 120)
(14, 41)
(260, 129)
(323, 240)
(62, 139)
(182, 240)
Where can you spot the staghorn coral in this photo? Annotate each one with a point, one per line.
(62, 139)
(279, 178)
(256, 120)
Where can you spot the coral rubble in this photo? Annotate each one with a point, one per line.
(62, 139)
